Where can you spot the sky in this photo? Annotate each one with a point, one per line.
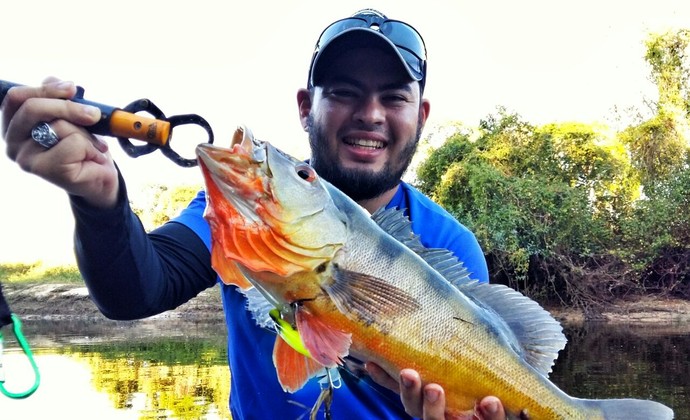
(241, 63)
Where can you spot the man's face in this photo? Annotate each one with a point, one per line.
(365, 121)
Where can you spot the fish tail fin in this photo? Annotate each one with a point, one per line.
(627, 409)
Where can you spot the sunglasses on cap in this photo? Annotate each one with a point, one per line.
(407, 40)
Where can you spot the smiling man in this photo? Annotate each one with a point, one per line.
(364, 110)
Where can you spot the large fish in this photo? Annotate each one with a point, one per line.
(353, 287)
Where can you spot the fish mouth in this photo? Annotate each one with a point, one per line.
(237, 173)
(244, 140)
(231, 165)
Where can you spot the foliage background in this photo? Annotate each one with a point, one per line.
(575, 213)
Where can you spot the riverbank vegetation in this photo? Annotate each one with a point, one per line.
(579, 214)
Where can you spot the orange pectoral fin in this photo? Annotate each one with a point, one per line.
(293, 368)
(326, 345)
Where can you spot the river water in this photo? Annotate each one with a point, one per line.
(176, 369)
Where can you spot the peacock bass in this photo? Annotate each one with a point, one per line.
(353, 285)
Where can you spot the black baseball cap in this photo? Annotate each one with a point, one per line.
(369, 27)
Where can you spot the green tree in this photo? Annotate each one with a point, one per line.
(163, 203)
(592, 159)
(577, 208)
(538, 198)
(669, 60)
(654, 237)
(658, 146)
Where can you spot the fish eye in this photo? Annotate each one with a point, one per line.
(306, 172)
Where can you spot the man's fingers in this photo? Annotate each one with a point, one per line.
(434, 405)
(51, 88)
(381, 377)
(429, 402)
(490, 408)
(25, 106)
(411, 392)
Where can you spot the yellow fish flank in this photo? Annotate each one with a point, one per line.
(357, 286)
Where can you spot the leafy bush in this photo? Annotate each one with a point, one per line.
(542, 201)
(655, 239)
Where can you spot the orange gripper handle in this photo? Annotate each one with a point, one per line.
(126, 124)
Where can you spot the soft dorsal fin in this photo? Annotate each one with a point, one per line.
(529, 329)
(539, 337)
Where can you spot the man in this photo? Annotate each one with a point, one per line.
(364, 112)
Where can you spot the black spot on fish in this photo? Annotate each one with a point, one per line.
(462, 320)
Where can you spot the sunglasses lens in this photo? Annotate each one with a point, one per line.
(339, 26)
(413, 62)
(404, 36)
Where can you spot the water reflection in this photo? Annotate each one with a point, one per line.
(148, 370)
(168, 369)
(158, 389)
(619, 361)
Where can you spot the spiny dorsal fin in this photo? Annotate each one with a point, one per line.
(394, 222)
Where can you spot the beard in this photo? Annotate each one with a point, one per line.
(358, 184)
